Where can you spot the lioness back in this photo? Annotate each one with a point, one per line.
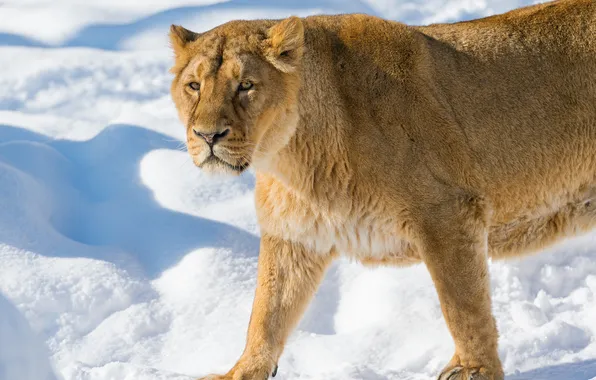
(504, 106)
(522, 88)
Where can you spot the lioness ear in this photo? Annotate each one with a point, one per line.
(180, 37)
(285, 44)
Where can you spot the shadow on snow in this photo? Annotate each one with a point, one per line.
(583, 370)
(96, 199)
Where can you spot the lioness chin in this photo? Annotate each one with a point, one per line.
(394, 145)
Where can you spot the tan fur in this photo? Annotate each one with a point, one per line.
(393, 144)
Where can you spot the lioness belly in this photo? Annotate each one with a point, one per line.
(531, 232)
(349, 237)
(362, 236)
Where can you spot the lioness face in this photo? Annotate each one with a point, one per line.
(235, 90)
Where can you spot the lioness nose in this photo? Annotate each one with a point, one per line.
(212, 138)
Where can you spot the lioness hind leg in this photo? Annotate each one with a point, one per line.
(529, 235)
(453, 240)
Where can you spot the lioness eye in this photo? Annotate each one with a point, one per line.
(245, 85)
(195, 86)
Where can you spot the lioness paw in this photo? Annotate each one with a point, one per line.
(236, 376)
(242, 374)
(463, 373)
(223, 377)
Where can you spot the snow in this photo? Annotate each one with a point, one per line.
(130, 263)
(22, 353)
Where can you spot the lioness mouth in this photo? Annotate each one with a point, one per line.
(214, 159)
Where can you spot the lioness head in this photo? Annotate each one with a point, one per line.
(235, 89)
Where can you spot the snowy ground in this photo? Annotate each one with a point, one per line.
(131, 264)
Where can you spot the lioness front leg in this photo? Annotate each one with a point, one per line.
(288, 276)
(454, 241)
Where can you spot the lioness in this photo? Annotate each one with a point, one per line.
(393, 145)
